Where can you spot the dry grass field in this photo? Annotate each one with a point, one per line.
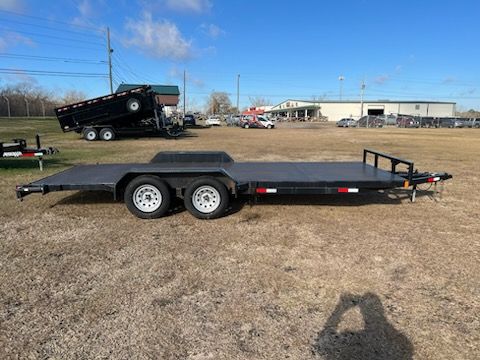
(363, 276)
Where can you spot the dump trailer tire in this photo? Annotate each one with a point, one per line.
(206, 198)
(133, 105)
(90, 134)
(107, 134)
(147, 197)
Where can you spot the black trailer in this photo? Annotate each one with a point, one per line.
(207, 180)
(133, 112)
(18, 148)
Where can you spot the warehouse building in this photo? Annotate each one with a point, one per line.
(336, 110)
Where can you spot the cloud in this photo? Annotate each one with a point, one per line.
(11, 39)
(381, 79)
(86, 12)
(212, 30)
(449, 80)
(398, 69)
(470, 91)
(11, 5)
(196, 6)
(85, 8)
(161, 39)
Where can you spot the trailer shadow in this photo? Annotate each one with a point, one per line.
(390, 197)
(31, 163)
(378, 339)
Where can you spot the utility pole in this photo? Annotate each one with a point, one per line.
(184, 93)
(110, 51)
(238, 93)
(8, 105)
(362, 91)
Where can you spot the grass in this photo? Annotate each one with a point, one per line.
(304, 278)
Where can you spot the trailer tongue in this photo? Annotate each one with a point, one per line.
(205, 180)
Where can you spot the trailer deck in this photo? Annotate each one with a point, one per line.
(179, 169)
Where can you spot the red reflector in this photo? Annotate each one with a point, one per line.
(261, 190)
(343, 190)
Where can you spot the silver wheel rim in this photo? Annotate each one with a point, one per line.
(206, 199)
(134, 105)
(107, 135)
(91, 135)
(147, 198)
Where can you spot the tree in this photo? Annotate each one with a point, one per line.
(73, 96)
(259, 101)
(219, 103)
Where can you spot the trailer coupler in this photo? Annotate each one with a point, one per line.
(24, 190)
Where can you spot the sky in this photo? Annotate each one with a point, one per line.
(402, 50)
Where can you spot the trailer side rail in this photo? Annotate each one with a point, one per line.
(394, 161)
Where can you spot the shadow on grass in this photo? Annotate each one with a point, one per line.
(31, 163)
(377, 340)
(392, 197)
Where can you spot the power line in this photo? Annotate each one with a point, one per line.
(50, 73)
(49, 58)
(51, 36)
(50, 28)
(53, 20)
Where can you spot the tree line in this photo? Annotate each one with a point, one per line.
(25, 100)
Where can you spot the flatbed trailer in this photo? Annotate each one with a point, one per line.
(18, 148)
(207, 180)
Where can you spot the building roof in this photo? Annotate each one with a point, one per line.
(366, 101)
(158, 89)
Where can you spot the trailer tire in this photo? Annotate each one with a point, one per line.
(107, 134)
(147, 197)
(90, 134)
(206, 198)
(133, 105)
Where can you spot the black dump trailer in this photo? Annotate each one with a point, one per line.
(133, 112)
(207, 180)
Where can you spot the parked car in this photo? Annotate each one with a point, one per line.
(429, 122)
(233, 120)
(451, 123)
(472, 123)
(346, 122)
(371, 121)
(256, 122)
(212, 121)
(407, 122)
(189, 120)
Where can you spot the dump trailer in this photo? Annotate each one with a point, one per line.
(207, 180)
(133, 112)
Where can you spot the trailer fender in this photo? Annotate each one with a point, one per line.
(178, 182)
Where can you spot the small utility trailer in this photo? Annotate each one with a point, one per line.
(207, 180)
(18, 148)
(132, 112)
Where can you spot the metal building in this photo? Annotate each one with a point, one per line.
(336, 110)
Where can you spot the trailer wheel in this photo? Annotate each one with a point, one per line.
(147, 197)
(133, 105)
(206, 198)
(90, 134)
(107, 134)
(246, 126)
